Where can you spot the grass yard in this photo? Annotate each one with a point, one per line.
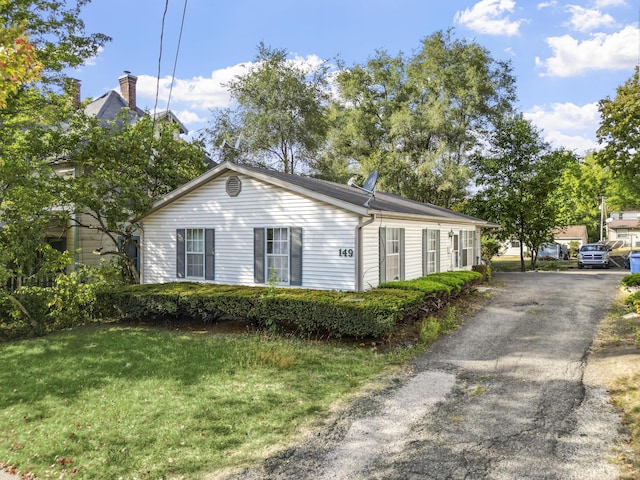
(512, 264)
(120, 402)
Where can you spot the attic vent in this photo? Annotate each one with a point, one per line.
(233, 186)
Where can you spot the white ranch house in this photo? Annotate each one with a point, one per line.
(243, 225)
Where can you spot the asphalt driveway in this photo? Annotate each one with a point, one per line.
(503, 397)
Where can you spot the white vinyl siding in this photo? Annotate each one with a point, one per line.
(326, 230)
(325, 235)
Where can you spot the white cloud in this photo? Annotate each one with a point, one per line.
(542, 5)
(609, 3)
(199, 93)
(616, 51)
(568, 125)
(586, 19)
(490, 17)
(188, 117)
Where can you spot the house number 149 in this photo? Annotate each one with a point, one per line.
(345, 252)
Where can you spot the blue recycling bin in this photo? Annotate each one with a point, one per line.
(634, 262)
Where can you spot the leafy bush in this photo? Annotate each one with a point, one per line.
(484, 270)
(632, 280)
(33, 311)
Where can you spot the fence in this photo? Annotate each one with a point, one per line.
(32, 281)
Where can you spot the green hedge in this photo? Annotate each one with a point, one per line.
(374, 313)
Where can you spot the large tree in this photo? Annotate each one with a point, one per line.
(583, 185)
(619, 133)
(416, 119)
(519, 176)
(50, 35)
(123, 168)
(279, 119)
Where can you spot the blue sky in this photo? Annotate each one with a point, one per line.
(566, 55)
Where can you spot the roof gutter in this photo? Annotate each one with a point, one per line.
(359, 254)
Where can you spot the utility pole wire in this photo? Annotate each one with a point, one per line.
(175, 62)
(164, 15)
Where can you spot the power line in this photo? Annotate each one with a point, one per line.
(175, 62)
(164, 16)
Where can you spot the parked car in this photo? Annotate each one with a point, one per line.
(593, 255)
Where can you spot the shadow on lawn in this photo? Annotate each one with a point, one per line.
(65, 364)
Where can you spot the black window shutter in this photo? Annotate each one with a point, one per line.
(295, 275)
(425, 255)
(180, 253)
(402, 254)
(382, 233)
(438, 269)
(258, 256)
(209, 254)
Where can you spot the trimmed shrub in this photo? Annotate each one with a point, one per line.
(374, 313)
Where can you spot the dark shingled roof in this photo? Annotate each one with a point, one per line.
(343, 196)
(385, 202)
(108, 106)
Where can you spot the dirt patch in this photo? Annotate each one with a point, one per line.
(614, 352)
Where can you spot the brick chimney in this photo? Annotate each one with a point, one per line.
(128, 88)
(75, 92)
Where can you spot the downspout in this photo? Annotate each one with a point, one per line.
(359, 253)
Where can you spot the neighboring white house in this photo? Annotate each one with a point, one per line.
(244, 225)
(561, 235)
(623, 228)
(571, 233)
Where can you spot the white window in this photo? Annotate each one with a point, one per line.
(393, 254)
(515, 243)
(194, 252)
(622, 232)
(278, 255)
(467, 247)
(432, 250)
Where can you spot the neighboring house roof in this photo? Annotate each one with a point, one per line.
(571, 231)
(108, 106)
(343, 196)
(169, 115)
(616, 224)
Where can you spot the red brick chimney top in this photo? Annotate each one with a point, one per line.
(128, 88)
(75, 92)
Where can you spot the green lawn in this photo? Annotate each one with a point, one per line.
(512, 264)
(111, 402)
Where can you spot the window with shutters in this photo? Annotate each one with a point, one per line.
(393, 254)
(467, 247)
(431, 250)
(277, 250)
(194, 252)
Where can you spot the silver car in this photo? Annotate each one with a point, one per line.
(593, 255)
